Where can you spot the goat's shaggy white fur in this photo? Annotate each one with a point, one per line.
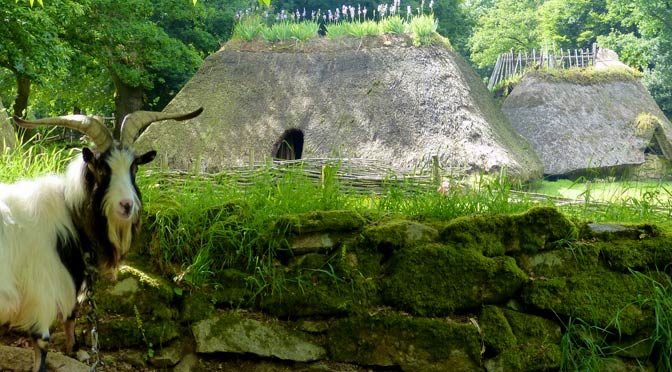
(34, 284)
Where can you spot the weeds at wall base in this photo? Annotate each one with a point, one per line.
(586, 347)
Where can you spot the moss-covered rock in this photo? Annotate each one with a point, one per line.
(497, 333)
(134, 289)
(522, 342)
(393, 234)
(313, 243)
(497, 235)
(610, 231)
(231, 288)
(230, 332)
(437, 279)
(320, 221)
(128, 332)
(637, 254)
(597, 296)
(197, 305)
(560, 262)
(414, 344)
(343, 283)
(317, 293)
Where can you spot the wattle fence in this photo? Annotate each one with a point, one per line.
(513, 64)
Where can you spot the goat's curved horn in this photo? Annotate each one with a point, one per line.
(92, 126)
(135, 122)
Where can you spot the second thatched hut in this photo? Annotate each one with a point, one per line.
(591, 121)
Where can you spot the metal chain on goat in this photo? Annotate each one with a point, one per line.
(92, 314)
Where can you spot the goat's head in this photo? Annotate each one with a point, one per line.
(112, 196)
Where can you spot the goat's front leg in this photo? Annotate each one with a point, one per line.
(69, 330)
(40, 344)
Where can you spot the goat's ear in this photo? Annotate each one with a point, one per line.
(88, 156)
(145, 158)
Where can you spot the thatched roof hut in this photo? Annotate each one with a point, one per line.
(594, 119)
(377, 98)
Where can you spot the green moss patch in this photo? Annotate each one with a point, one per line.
(560, 262)
(647, 253)
(598, 296)
(231, 288)
(150, 294)
(589, 75)
(127, 332)
(196, 306)
(497, 333)
(436, 279)
(522, 342)
(320, 221)
(414, 344)
(394, 234)
(497, 235)
(315, 293)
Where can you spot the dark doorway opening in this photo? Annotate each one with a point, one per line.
(289, 146)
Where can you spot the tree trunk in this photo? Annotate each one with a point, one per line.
(22, 94)
(21, 104)
(126, 100)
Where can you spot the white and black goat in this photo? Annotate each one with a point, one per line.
(56, 229)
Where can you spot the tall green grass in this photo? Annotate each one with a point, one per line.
(206, 225)
(585, 347)
(31, 160)
(661, 302)
(216, 218)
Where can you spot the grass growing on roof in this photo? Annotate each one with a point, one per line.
(249, 28)
(588, 75)
(422, 29)
(285, 31)
(394, 25)
(645, 123)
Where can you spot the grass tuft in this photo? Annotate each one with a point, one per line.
(645, 124)
(394, 25)
(248, 28)
(423, 29)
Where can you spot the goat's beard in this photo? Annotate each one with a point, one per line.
(120, 235)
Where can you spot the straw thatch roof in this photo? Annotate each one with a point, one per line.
(378, 99)
(587, 120)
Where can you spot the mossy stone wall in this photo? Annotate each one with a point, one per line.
(495, 293)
